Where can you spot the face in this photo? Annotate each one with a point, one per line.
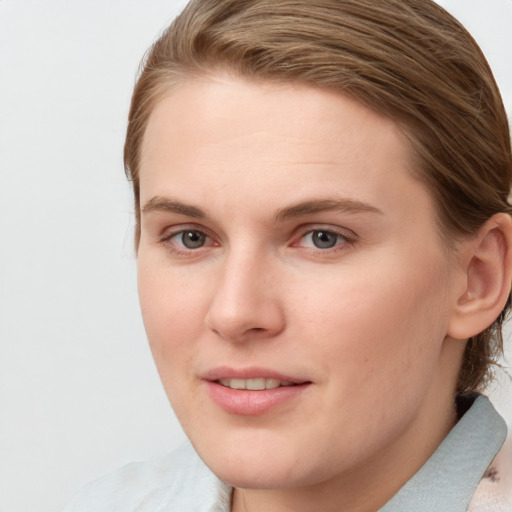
(294, 287)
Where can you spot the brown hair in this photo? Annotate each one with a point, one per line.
(407, 59)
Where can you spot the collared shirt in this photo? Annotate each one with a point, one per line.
(445, 483)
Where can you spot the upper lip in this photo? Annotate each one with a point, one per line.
(225, 372)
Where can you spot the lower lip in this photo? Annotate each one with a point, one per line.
(252, 403)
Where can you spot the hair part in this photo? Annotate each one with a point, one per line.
(406, 59)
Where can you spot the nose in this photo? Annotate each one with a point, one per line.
(246, 303)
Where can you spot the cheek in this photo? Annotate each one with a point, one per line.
(172, 318)
(384, 328)
(374, 337)
(172, 310)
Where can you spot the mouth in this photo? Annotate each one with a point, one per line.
(257, 384)
(252, 392)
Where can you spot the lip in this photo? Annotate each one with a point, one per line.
(253, 372)
(247, 402)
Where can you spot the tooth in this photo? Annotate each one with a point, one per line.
(255, 384)
(271, 383)
(237, 384)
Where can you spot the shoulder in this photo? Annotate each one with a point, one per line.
(179, 481)
(494, 493)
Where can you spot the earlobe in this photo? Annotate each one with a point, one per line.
(488, 275)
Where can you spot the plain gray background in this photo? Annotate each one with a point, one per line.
(79, 395)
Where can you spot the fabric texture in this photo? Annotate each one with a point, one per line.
(494, 493)
(448, 480)
(178, 482)
(465, 461)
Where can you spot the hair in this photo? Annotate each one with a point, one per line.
(408, 60)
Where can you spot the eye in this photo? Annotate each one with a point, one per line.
(323, 239)
(191, 239)
(186, 240)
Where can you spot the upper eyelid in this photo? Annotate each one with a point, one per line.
(169, 232)
(338, 230)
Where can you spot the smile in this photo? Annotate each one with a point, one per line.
(257, 384)
(247, 392)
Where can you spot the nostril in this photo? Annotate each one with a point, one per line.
(238, 320)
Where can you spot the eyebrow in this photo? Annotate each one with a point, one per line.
(164, 204)
(159, 203)
(322, 205)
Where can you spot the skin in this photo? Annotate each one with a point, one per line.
(366, 322)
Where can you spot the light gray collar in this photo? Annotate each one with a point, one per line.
(447, 481)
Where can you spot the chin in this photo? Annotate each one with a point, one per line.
(245, 475)
(262, 465)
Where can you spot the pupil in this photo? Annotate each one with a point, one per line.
(192, 239)
(324, 239)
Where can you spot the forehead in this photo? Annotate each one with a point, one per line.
(233, 134)
(235, 108)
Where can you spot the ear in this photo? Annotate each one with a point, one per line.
(488, 274)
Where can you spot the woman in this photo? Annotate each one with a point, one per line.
(324, 259)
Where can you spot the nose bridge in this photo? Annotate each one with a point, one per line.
(245, 301)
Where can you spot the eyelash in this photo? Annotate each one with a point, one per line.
(343, 239)
(180, 250)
